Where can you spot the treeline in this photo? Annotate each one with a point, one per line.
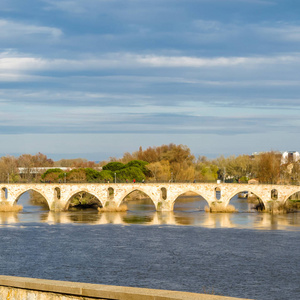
(164, 163)
(25, 168)
(176, 162)
(114, 171)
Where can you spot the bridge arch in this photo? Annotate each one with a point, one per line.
(249, 190)
(28, 190)
(290, 195)
(127, 193)
(67, 204)
(195, 193)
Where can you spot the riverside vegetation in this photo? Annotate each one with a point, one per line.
(166, 163)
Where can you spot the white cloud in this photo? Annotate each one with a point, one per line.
(12, 63)
(10, 30)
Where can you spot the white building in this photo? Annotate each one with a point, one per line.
(289, 157)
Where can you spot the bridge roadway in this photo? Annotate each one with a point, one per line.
(163, 195)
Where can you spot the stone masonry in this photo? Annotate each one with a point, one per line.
(163, 195)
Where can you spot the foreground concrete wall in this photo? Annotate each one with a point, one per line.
(21, 288)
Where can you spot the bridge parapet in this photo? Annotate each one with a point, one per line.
(163, 195)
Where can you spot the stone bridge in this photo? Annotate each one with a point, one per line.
(163, 195)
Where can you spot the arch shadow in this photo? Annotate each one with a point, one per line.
(288, 197)
(90, 202)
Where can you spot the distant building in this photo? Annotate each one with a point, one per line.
(286, 156)
(290, 157)
(40, 170)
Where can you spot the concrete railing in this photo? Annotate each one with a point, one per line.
(20, 288)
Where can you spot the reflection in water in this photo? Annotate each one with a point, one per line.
(143, 204)
(190, 203)
(242, 204)
(188, 211)
(258, 220)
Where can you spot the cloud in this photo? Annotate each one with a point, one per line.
(11, 30)
(147, 123)
(21, 64)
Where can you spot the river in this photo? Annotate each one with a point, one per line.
(245, 254)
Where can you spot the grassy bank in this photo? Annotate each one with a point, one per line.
(10, 208)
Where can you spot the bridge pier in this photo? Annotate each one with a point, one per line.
(164, 205)
(56, 206)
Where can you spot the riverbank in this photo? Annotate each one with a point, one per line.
(24, 288)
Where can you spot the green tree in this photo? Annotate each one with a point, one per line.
(130, 173)
(53, 175)
(92, 175)
(106, 175)
(113, 166)
(139, 164)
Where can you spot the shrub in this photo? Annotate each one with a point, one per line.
(121, 208)
(219, 208)
(10, 208)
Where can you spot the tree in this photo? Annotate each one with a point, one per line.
(92, 175)
(76, 175)
(41, 160)
(25, 162)
(160, 170)
(106, 175)
(53, 175)
(8, 169)
(139, 164)
(127, 157)
(130, 173)
(268, 167)
(30, 164)
(113, 166)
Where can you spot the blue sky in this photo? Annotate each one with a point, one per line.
(97, 78)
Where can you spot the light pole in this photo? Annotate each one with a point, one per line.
(65, 177)
(115, 178)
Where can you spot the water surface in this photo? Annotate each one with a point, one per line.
(246, 254)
